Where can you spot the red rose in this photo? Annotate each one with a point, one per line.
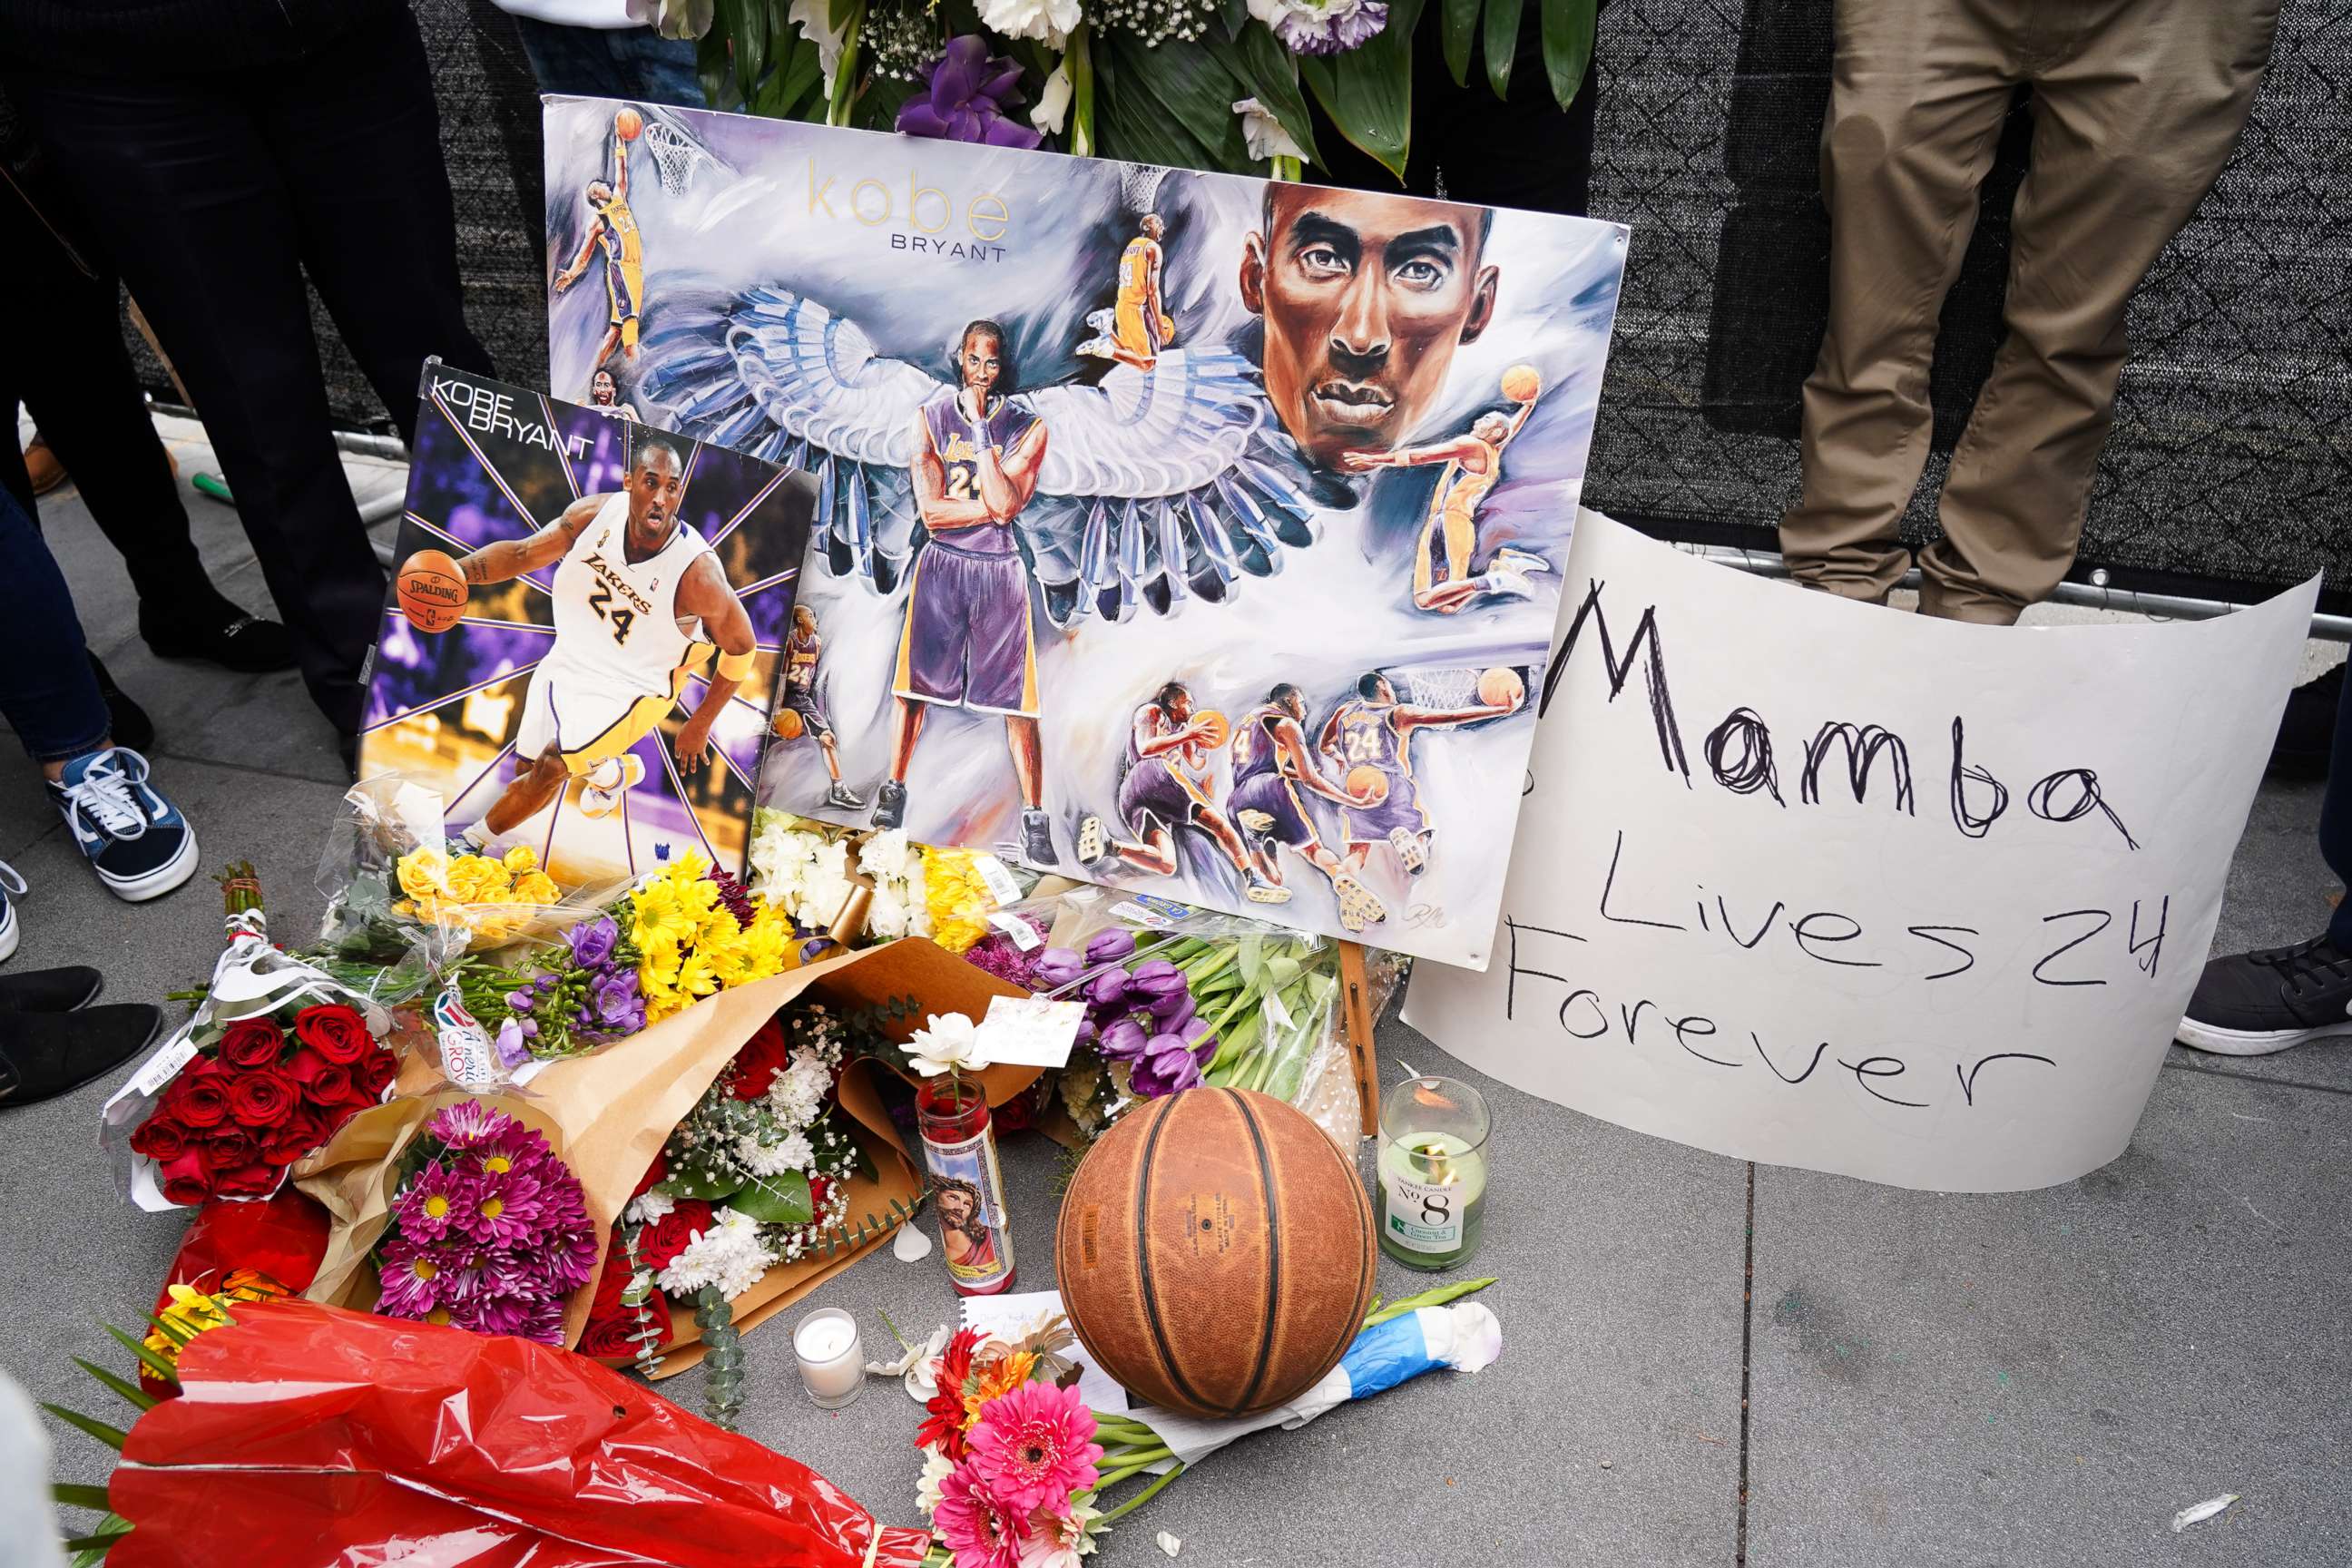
(253, 1043)
(614, 1333)
(160, 1138)
(324, 1082)
(654, 1174)
(255, 1181)
(294, 1137)
(262, 1097)
(229, 1148)
(659, 1243)
(337, 1033)
(186, 1180)
(376, 1071)
(762, 1058)
(197, 1101)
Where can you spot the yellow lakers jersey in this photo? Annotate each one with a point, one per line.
(1135, 269)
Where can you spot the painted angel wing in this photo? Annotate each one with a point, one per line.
(1150, 493)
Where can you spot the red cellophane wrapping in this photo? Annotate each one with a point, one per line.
(310, 1436)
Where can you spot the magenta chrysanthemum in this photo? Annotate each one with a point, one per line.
(504, 1211)
(1035, 1446)
(414, 1281)
(469, 1122)
(432, 1205)
(979, 1529)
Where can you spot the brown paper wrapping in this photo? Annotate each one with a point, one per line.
(607, 1115)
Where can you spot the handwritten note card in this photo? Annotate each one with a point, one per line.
(1821, 884)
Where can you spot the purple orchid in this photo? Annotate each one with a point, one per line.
(968, 90)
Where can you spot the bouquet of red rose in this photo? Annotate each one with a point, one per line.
(261, 1097)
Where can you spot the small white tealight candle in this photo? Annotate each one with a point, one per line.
(832, 1364)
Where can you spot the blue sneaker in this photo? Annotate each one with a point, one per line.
(12, 887)
(137, 841)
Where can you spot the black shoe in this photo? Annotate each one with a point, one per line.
(347, 747)
(1037, 839)
(44, 1055)
(127, 723)
(2306, 732)
(223, 634)
(2252, 1003)
(891, 805)
(50, 990)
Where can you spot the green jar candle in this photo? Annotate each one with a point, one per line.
(1432, 1162)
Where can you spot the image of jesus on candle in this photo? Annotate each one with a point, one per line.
(964, 1231)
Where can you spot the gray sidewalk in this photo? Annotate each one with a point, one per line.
(1911, 1378)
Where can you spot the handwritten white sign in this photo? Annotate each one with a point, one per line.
(1821, 884)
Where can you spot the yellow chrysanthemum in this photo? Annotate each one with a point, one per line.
(424, 873)
(522, 857)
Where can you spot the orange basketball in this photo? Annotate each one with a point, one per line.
(1521, 384)
(1216, 1252)
(1215, 727)
(787, 724)
(1501, 688)
(1367, 784)
(628, 125)
(430, 589)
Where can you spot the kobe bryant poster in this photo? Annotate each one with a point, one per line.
(1192, 533)
(585, 629)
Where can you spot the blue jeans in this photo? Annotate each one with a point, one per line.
(48, 693)
(611, 62)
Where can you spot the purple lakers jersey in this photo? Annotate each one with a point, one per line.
(1255, 751)
(1368, 736)
(952, 437)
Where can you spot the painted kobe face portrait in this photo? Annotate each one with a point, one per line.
(1365, 298)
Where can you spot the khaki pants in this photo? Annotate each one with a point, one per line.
(2135, 106)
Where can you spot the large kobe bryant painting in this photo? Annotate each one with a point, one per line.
(1192, 533)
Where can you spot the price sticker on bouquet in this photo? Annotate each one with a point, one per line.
(1030, 1031)
(1025, 935)
(1002, 886)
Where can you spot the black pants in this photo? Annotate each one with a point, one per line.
(66, 363)
(215, 193)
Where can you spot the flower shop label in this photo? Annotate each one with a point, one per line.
(1821, 884)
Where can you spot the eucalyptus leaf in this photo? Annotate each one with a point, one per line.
(1502, 43)
(1458, 25)
(782, 1199)
(1568, 29)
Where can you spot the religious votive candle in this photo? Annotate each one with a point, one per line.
(1433, 1166)
(833, 1364)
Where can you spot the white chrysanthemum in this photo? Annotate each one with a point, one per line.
(792, 1153)
(1048, 21)
(648, 1206)
(889, 856)
(887, 914)
(797, 1094)
(730, 1255)
(937, 1469)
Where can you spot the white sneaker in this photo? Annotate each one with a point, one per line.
(12, 887)
(604, 785)
(1101, 348)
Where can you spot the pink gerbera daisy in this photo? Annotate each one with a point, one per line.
(979, 1529)
(1035, 1446)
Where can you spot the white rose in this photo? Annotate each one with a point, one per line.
(950, 1043)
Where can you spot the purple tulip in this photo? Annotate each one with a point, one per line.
(1193, 1031)
(1123, 1041)
(1111, 946)
(966, 94)
(1107, 989)
(1058, 966)
(1168, 1066)
(1172, 1012)
(1086, 1032)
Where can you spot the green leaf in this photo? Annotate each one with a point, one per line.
(147, 1358)
(109, 1530)
(750, 30)
(1368, 92)
(1459, 24)
(1567, 27)
(1169, 106)
(709, 1186)
(98, 1540)
(73, 1496)
(840, 11)
(791, 83)
(137, 1397)
(113, 1437)
(864, 1162)
(715, 70)
(1259, 62)
(776, 1200)
(1502, 43)
(1234, 15)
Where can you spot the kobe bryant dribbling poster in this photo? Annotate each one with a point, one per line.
(582, 642)
(1191, 534)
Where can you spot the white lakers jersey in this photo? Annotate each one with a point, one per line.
(617, 620)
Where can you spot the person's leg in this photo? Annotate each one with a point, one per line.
(48, 692)
(179, 181)
(577, 62)
(2129, 133)
(1918, 92)
(655, 69)
(2336, 819)
(358, 140)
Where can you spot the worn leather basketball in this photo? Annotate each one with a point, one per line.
(1215, 1252)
